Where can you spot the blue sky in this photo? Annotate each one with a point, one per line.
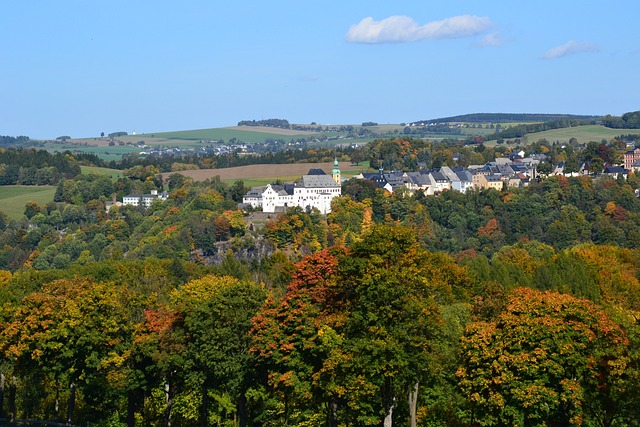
(83, 67)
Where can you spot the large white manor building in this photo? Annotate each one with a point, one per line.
(314, 190)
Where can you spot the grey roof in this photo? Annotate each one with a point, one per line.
(615, 169)
(502, 161)
(316, 172)
(378, 178)
(288, 188)
(318, 181)
(464, 175)
(505, 169)
(519, 167)
(149, 196)
(419, 179)
(439, 176)
(255, 192)
(396, 179)
(448, 172)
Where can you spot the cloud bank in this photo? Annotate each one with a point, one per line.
(403, 29)
(570, 48)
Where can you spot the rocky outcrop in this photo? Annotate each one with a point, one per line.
(243, 249)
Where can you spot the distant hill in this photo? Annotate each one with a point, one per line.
(508, 118)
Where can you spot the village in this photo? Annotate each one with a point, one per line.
(317, 189)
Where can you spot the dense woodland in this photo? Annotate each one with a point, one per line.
(35, 167)
(629, 120)
(518, 307)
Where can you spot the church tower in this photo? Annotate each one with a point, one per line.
(335, 173)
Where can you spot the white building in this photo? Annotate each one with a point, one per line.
(311, 191)
(144, 199)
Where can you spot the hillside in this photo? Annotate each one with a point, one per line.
(508, 118)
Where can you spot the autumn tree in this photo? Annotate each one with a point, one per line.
(295, 336)
(546, 359)
(72, 333)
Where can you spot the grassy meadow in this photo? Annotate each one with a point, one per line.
(13, 198)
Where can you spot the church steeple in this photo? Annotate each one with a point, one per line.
(335, 173)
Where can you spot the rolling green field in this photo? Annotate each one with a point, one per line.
(14, 197)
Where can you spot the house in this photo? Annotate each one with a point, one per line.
(144, 199)
(463, 181)
(379, 179)
(615, 171)
(630, 157)
(489, 181)
(418, 181)
(559, 169)
(518, 180)
(389, 181)
(440, 181)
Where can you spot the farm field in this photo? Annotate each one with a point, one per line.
(244, 133)
(263, 174)
(14, 197)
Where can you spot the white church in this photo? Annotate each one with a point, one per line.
(314, 190)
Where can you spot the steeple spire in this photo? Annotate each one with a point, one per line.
(335, 173)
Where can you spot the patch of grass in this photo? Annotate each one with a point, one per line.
(113, 173)
(13, 198)
(104, 152)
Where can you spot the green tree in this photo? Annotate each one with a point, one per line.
(217, 313)
(392, 288)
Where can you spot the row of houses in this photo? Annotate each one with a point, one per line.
(496, 174)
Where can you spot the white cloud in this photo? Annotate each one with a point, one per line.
(570, 48)
(402, 29)
(492, 39)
